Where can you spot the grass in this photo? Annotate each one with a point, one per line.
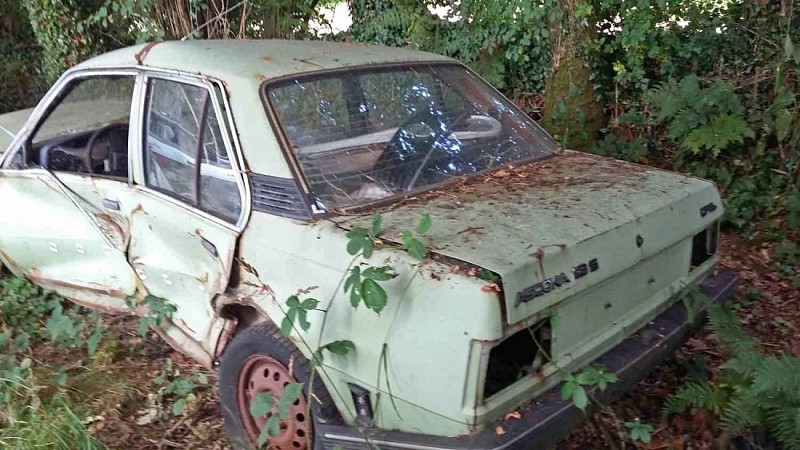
(37, 424)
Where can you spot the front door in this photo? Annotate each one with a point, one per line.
(57, 227)
(183, 231)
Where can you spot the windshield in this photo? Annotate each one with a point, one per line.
(365, 135)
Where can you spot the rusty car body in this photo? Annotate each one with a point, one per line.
(224, 176)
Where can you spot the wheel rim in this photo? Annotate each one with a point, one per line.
(261, 373)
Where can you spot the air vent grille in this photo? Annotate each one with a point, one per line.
(278, 196)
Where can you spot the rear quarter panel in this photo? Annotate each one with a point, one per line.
(415, 354)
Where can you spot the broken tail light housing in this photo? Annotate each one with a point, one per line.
(704, 245)
(522, 354)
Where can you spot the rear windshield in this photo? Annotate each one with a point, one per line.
(366, 135)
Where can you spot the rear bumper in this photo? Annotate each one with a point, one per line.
(549, 419)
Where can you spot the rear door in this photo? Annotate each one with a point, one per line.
(189, 202)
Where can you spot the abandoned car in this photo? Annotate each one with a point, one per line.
(226, 176)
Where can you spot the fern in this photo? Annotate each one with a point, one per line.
(725, 324)
(700, 119)
(717, 134)
(753, 391)
(741, 414)
(784, 422)
(695, 395)
(780, 375)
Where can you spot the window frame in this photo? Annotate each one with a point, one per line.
(231, 144)
(50, 102)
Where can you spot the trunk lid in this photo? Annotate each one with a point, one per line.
(10, 124)
(556, 227)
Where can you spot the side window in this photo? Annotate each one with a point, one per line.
(86, 130)
(185, 154)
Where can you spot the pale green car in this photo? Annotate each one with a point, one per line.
(224, 177)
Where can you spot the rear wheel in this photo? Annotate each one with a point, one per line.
(260, 360)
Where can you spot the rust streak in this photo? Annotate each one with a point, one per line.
(39, 279)
(309, 62)
(142, 54)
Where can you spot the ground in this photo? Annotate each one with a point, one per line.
(127, 407)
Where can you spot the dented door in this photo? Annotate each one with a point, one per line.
(181, 257)
(61, 242)
(188, 199)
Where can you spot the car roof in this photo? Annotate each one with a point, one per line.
(259, 59)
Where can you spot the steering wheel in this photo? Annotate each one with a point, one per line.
(427, 159)
(115, 141)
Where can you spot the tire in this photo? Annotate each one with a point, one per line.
(264, 344)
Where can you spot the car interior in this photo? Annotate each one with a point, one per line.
(100, 151)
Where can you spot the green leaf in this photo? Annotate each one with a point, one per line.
(94, 339)
(293, 302)
(586, 377)
(373, 294)
(377, 220)
(579, 398)
(367, 247)
(61, 378)
(424, 224)
(355, 296)
(309, 304)
(415, 248)
(262, 404)
(567, 388)
(354, 246)
(783, 123)
(301, 319)
(263, 436)
(354, 279)
(291, 392)
(340, 347)
(788, 48)
(178, 407)
(379, 273)
(357, 233)
(273, 426)
(286, 323)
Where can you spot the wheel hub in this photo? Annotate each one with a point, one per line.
(264, 374)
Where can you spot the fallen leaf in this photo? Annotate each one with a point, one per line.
(491, 287)
(500, 431)
(513, 415)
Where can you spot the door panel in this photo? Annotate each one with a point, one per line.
(180, 246)
(60, 242)
(182, 257)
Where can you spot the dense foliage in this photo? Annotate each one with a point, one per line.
(707, 87)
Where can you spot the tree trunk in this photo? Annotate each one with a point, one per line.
(571, 112)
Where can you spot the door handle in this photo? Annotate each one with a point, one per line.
(110, 204)
(210, 248)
